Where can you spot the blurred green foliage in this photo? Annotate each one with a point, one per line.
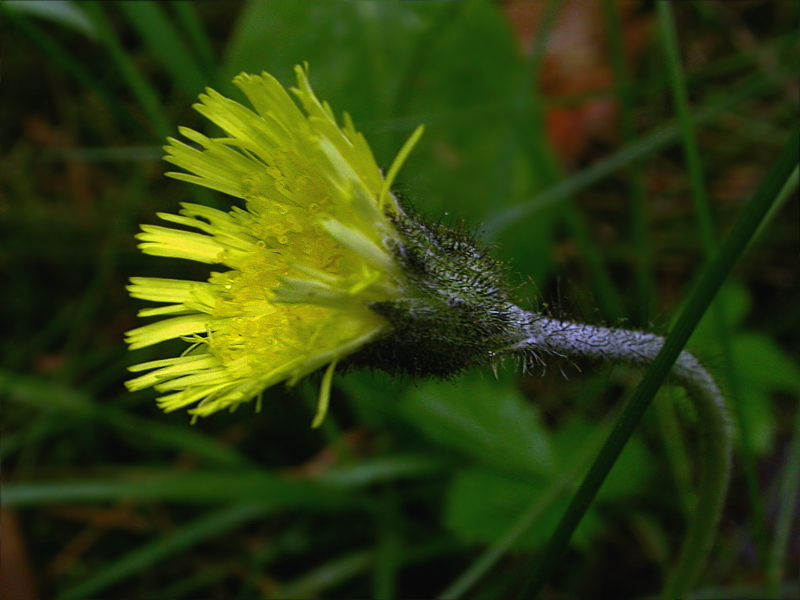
(406, 485)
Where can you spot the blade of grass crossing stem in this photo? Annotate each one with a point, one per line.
(680, 95)
(211, 525)
(699, 300)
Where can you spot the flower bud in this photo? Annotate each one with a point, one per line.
(459, 313)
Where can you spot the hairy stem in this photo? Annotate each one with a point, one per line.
(551, 336)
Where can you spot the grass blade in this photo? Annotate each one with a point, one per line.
(211, 525)
(166, 45)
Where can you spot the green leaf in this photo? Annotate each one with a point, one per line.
(487, 421)
(763, 364)
(482, 505)
(762, 369)
(275, 36)
(736, 303)
(758, 409)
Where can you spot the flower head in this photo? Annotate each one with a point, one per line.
(321, 264)
(305, 257)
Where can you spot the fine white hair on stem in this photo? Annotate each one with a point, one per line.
(544, 335)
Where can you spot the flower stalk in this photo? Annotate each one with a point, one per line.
(573, 340)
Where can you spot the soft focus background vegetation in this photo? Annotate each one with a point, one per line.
(551, 127)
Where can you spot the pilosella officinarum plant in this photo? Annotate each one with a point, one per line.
(324, 265)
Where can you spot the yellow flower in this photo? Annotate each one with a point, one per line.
(305, 257)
